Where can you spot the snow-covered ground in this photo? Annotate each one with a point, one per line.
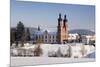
(78, 53)
(20, 61)
(75, 50)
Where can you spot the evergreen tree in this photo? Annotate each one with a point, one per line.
(20, 30)
(12, 37)
(20, 33)
(28, 38)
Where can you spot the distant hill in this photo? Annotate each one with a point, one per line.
(82, 31)
(79, 31)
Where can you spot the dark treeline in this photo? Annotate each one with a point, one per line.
(19, 34)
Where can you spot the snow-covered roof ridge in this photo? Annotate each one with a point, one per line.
(42, 31)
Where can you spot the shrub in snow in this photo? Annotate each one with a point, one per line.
(54, 53)
(82, 50)
(13, 46)
(14, 52)
(58, 53)
(38, 50)
(31, 52)
(69, 51)
(62, 51)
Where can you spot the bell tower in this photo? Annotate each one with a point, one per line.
(62, 29)
(65, 28)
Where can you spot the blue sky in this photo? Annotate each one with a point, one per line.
(45, 15)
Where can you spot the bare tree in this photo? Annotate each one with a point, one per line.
(38, 51)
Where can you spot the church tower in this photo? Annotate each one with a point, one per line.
(62, 29)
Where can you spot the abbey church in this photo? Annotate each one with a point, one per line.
(62, 29)
(60, 36)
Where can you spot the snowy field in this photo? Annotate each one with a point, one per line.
(78, 49)
(78, 53)
(20, 61)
